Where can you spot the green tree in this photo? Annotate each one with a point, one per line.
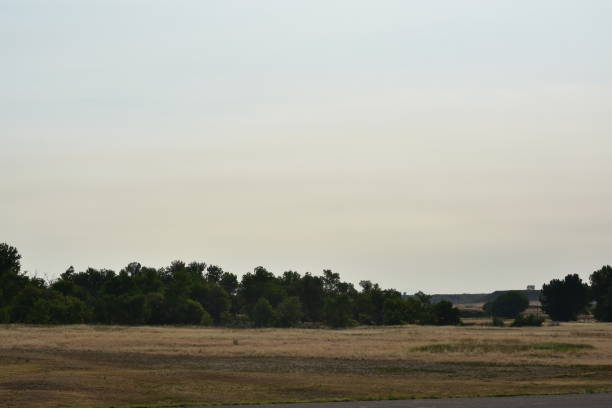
(229, 282)
(263, 313)
(509, 304)
(12, 282)
(10, 260)
(212, 297)
(601, 286)
(312, 297)
(289, 311)
(24, 301)
(395, 311)
(445, 314)
(338, 311)
(420, 305)
(564, 299)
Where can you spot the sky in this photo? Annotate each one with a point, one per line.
(441, 146)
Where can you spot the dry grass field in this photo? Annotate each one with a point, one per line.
(101, 366)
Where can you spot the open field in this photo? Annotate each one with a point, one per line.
(91, 366)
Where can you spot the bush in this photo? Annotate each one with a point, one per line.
(207, 319)
(497, 322)
(527, 320)
(192, 312)
(186, 311)
(240, 321)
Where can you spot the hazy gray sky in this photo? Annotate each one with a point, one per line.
(447, 146)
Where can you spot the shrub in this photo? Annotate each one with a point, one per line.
(238, 320)
(527, 320)
(497, 322)
(188, 311)
(207, 319)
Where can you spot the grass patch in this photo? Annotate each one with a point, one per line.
(104, 366)
(494, 347)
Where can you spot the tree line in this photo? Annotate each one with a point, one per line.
(201, 294)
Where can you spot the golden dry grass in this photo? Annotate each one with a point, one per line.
(89, 366)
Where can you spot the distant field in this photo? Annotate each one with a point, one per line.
(96, 366)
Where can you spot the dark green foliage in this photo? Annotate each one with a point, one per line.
(5, 315)
(24, 301)
(289, 312)
(212, 297)
(201, 294)
(91, 281)
(155, 306)
(55, 308)
(445, 314)
(338, 311)
(229, 282)
(528, 320)
(601, 286)
(263, 314)
(10, 260)
(509, 304)
(12, 282)
(260, 284)
(603, 307)
(310, 292)
(188, 311)
(395, 311)
(564, 299)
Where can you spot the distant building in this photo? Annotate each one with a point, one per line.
(530, 287)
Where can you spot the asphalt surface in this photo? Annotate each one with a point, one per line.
(540, 401)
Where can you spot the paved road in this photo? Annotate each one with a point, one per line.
(542, 401)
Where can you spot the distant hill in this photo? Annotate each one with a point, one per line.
(469, 298)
